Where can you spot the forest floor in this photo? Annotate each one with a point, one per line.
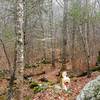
(77, 83)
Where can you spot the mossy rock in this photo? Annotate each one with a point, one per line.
(91, 91)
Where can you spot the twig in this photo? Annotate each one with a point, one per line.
(4, 48)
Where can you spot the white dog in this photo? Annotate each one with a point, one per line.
(65, 81)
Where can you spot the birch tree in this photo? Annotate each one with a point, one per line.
(19, 55)
(20, 47)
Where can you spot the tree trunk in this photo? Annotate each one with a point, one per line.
(20, 48)
(51, 31)
(18, 68)
(25, 34)
(73, 45)
(88, 40)
(64, 35)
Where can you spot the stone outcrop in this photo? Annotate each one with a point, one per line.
(91, 91)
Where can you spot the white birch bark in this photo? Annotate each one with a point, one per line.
(19, 48)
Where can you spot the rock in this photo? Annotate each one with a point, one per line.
(57, 88)
(91, 91)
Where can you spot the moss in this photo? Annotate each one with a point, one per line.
(33, 84)
(96, 91)
(38, 89)
(35, 87)
(2, 97)
(45, 61)
(28, 98)
(98, 59)
(2, 74)
(31, 65)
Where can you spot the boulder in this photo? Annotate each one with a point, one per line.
(91, 91)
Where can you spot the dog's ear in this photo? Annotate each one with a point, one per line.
(64, 73)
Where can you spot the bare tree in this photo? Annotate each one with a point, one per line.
(4, 48)
(87, 39)
(64, 35)
(51, 31)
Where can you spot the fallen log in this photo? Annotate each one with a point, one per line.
(97, 68)
(31, 75)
